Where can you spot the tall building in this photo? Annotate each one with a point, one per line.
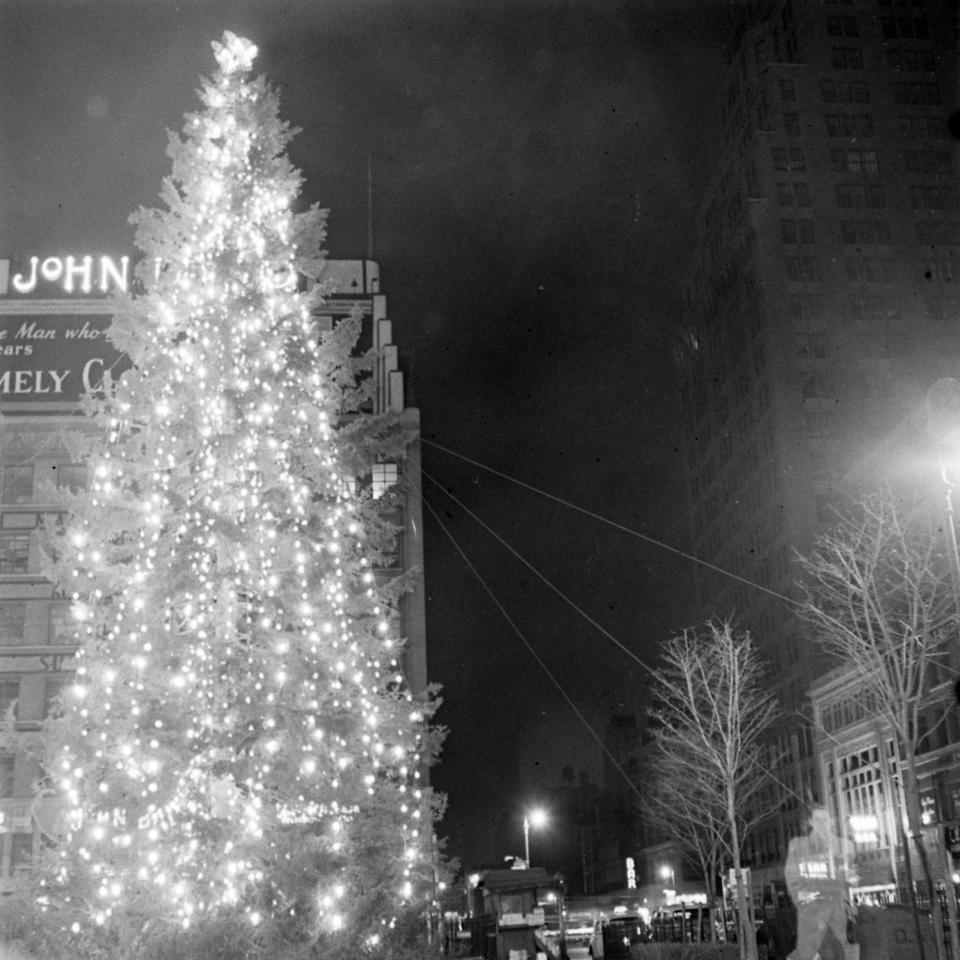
(821, 304)
(53, 314)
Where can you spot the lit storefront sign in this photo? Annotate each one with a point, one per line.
(53, 322)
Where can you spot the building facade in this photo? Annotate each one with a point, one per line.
(821, 304)
(860, 767)
(53, 317)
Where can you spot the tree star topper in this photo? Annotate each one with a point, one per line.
(235, 54)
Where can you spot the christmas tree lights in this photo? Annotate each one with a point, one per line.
(238, 740)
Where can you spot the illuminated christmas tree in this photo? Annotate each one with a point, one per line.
(238, 746)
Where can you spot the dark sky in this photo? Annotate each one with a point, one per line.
(536, 169)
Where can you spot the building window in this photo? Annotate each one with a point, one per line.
(807, 309)
(18, 484)
(842, 26)
(864, 232)
(9, 693)
(861, 162)
(14, 552)
(938, 232)
(939, 196)
(797, 231)
(793, 195)
(917, 94)
(860, 195)
(789, 158)
(942, 268)
(6, 775)
(844, 91)
(21, 850)
(870, 269)
(385, 476)
(846, 58)
(52, 688)
(811, 346)
(791, 124)
(70, 476)
(923, 128)
(13, 614)
(61, 624)
(849, 125)
(904, 28)
(802, 268)
(911, 60)
(788, 92)
(929, 162)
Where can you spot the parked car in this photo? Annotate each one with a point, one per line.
(613, 936)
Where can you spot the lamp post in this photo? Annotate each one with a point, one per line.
(533, 818)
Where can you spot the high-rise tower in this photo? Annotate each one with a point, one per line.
(822, 302)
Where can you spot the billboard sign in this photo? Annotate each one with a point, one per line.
(53, 321)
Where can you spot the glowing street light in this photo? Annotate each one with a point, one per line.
(534, 818)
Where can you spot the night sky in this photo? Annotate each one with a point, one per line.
(536, 171)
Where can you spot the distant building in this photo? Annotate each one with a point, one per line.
(42, 377)
(821, 304)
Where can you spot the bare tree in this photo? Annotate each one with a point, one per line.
(713, 711)
(689, 813)
(879, 597)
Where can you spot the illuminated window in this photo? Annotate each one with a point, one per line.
(18, 484)
(385, 476)
(12, 619)
(862, 162)
(14, 552)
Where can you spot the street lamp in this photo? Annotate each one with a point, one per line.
(534, 818)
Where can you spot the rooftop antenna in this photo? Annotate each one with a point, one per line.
(370, 205)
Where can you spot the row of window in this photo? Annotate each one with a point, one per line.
(871, 232)
(872, 196)
(864, 162)
(857, 91)
(944, 268)
(20, 483)
(902, 27)
(23, 621)
(39, 703)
